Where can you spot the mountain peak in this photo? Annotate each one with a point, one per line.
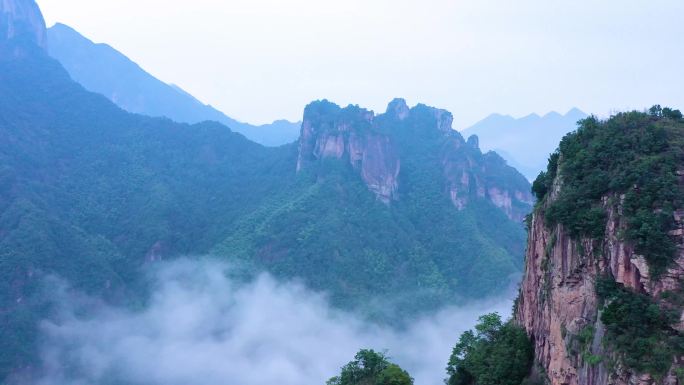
(398, 108)
(22, 21)
(375, 147)
(474, 141)
(576, 113)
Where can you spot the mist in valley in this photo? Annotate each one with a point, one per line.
(202, 327)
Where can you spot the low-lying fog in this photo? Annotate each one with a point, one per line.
(202, 328)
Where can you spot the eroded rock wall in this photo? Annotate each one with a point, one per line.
(369, 144)
(558, 299)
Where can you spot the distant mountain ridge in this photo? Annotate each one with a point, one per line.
(102, 69)
(525, 142)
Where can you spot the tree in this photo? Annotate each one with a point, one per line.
(672, 114)
(656, 111)
(371, 368)
(496, 353)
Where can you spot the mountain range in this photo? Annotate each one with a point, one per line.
(102, 69)
(525, 143)
(390, 214)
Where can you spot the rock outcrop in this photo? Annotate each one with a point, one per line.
(375, 145)
(558, 299)
(22, 21)
(331, 132)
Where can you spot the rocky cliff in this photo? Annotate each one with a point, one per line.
(22, 21)
(630, 333)
(377, 146)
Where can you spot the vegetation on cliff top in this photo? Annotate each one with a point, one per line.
(634, 155)
(628, 163)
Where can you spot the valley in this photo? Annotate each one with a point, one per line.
(148, 238)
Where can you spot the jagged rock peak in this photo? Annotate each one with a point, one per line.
(474, 141)
(398, 108)
(22, 20)
(372, 146)
(445, 120)
(329, 131)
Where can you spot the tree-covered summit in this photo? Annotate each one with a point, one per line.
(633, 158)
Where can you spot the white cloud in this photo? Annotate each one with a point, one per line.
(202, 328)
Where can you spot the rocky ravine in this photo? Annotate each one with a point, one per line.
(373, 147)
(558, 297)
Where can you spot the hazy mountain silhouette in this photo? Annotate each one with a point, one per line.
(102, 69)
(526, 142)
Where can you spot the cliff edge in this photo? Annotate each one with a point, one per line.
(602, 296)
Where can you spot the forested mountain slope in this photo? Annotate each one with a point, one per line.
(395, 211)
(396, 206)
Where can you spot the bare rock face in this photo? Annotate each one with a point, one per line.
(331, 132)
(558, 298)
(471, 175)
(22, 20)
(374, 145)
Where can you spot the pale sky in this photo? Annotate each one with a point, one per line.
(260, 60)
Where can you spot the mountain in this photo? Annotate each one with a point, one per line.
(391, 215)
(397, 207)
(526, 142)
(102, 69)
(21, 22)
(603, 292)
(90, 193)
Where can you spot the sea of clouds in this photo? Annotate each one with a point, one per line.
(201, 327)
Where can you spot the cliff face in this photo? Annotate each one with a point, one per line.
(21, 20)
(558, 298)
(330, 132)
(559, 305)
(376, 147)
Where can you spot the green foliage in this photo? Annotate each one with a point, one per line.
(414, 257)
(639, 329)
(632, 154)
(90, 193)
(371, 368)
(87, 190)
(544, 182)
(496, 353)
(581, 344)
(659, 112)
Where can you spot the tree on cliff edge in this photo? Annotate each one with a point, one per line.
(496, 353)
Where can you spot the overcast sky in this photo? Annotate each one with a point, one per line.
(260, 60)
